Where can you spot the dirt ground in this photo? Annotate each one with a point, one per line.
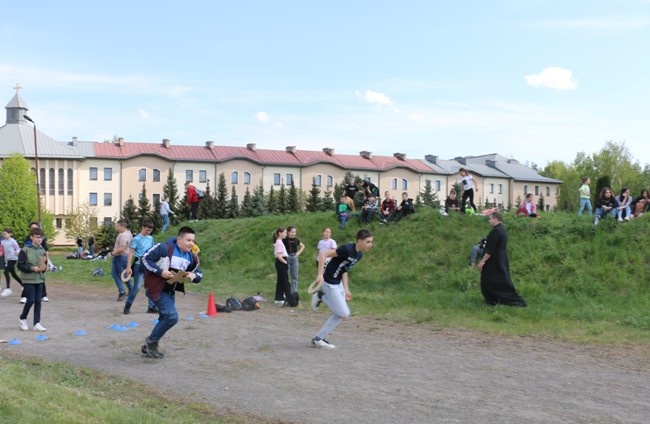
(380, 372)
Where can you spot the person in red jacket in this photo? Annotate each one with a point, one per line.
(193, 201)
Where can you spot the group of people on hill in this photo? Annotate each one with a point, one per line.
(387, 212)
(621, 206)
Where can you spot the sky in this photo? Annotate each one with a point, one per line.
(534, 80)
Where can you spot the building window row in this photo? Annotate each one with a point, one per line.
(51, 181)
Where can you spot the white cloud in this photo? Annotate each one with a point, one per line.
(553, 77)
(262, 117)
(143, 113)
(415, 117)
(599, 23)
(377, 98)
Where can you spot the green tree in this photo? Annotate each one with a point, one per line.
(208, 205)
(221, 210)
(429, 197)
(233, 206)
(144, 208)
(130, 213)
(170, 191)
(106, 235)
(282, 199)
(247, 206)
(540, 202)
(259, 204)
(17, 211)
(327, 203)
(80, 221)
(293, 199)
(156, 218)
(313, 201)
(272, 204)
(601, 183)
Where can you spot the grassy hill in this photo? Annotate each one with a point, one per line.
(581, 282)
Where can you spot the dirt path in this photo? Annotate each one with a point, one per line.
(260, 362)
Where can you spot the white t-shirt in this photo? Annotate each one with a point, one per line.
(468, 182)
(280, 248)
(325, 245)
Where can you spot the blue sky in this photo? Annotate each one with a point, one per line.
(534, 80)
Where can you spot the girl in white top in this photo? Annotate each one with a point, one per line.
(11, 250)
(468, 190)
(282, 288)
(327, 243)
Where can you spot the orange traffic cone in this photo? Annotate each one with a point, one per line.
(212, 307)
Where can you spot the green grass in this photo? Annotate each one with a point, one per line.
(582, 283)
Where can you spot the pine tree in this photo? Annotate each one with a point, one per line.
(314, 201)
(144, 208)
(540, 202)
(233, 206)
(247, 207)
(272, 205)
(429, 197)
(221, 209)
(156, 218)
(106, 235)
(327, 203)
(259, 204)
(130, 212)
(282, 199)
(208, 205)
(170, 191)
(293, 200)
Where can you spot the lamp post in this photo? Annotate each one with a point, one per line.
(38, 185)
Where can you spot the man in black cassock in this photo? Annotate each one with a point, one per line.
(496, 284)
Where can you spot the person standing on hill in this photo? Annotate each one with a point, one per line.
(468, 190)
(350, 192)
(294, 250)
(335, 290)
(496, 285)
(282, 286)
(165, 211)
(193, 201)
(585, 196)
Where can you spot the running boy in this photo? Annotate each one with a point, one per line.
(336, 290)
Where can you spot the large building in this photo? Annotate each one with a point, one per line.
(105, 174)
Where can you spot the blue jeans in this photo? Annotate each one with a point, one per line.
(626, 210)
(476, 252)
(334, 298)
(343, 219)
(119, 265)
(34, 294)
(167, 318)
(601, 214)
(138, 278)
(583, 203)
(165, 218)
(293, 272)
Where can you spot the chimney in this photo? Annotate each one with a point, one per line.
(461, 160)
(291, 149)
(513, 161)
(120, 141)
(74, 141)
(251, 147)
(490, 163)
(328, 151)
(166, 143)
(209, 144)
(400, 156)
(431, 158)
(366, 154)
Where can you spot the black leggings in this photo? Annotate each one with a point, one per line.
(468, 194)
(10, 271)
(282, 286)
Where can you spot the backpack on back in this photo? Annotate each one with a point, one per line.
(199, 193)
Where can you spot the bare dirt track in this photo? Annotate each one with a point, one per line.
(261, 363)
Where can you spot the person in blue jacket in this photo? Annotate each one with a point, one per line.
(167, 266)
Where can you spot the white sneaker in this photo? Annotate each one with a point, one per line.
(39, 327)
(322, 343)
(279, 302)
(44, 299)
(23, 300)
(6, 292)
(23, 324)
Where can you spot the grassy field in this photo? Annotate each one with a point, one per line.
(583, 284)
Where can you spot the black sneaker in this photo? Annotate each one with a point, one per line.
(127, 309)
(153, 310)
(121, 296)
(151, 350)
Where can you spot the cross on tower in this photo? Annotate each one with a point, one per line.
(17, 88)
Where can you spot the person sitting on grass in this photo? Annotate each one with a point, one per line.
(641, 204)
(606, 204)
(528, 207)
(343, 212)
(624, 200)
(452, 204)
(368, 210)
(405, 208)
(387, 206)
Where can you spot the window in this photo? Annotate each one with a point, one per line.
(234, 177)
(203, 176)
(276, 179)
(330, 181)
(491, 188)
(317, 180)
(438, 185)
(156, 175)
(51, 183)
(247, 177)
(393, 184)
(525, 190)
(536, 190)
(548, 190)
(61, 181)
(142, 175)
(108, 174)
(500, 188)
(107, 221)
(70, 182)
(41, 183)
(108, 199)
(405, 184)
(59, 223)
(156, 199)
(92, 173)
(92, 199)
(189, 175)
(289, 179)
